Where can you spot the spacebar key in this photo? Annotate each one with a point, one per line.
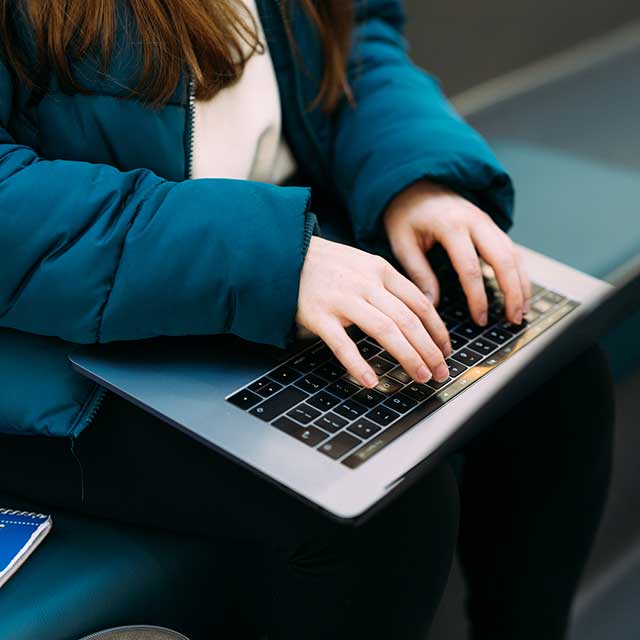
(279, 403)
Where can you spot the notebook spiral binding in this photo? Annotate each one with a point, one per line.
(30, 514)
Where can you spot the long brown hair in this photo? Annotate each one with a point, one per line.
(212, 39)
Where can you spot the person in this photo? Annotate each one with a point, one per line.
(160, 162)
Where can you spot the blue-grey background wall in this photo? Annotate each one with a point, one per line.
(465, 42)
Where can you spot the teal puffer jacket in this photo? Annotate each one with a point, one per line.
(104, 237)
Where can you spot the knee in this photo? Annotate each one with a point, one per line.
(586, 412)
(590, 407)
(434, 498)
(423, 521)
(417, 528)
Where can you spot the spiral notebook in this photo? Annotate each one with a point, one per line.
(20, 534)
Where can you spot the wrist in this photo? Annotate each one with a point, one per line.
(416, 193)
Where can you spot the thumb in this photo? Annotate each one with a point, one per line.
(414, 261)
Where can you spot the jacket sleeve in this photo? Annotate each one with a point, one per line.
(92, 254)
(402, 129)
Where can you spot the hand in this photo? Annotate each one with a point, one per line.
(341, 286)
(426, 214)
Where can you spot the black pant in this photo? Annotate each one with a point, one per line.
(532, 494)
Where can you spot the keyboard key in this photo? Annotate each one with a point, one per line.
(483, 346)
(387, 356)
(350, 410)
(303, 413)
(400, 375)
(309, 435)
(364, 428)
(321, 352)
(368, 398)
(349, 378)
(541, 306)
(434, 384)
(244, 399)
(495, 316)
(387, 386)
(552, 297)
(531, 316)
(356, 334)
(536, 289)
(265, 387)
(497, 335)
(303, 363)
(449, 298)
(368, 350)
(342, 389)
(458, 313)
(417, 391)
(469, 330)
(449, 322)
(284, 375)
(457, 341)
(499, 356)
(279, 403)
(338, 446)
(400, 403)
(382, 415)
(331, 371)
(308, 361)
(513, 329)
(505, 352)
(466, 356)
(380, 366)
(331, 422)
(323, 401)
(455, 368)
(311, 383)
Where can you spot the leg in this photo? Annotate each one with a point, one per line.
(533, 492)
(292, 570)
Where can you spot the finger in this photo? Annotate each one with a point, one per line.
(419, 304)
(498, 251)
(414, 261)
(345, 350)
(525, 282)
(465, 261)
(400, 332)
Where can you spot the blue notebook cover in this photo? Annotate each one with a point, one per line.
(20, 534)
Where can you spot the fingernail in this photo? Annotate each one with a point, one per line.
(423, 374)
(448, 350)
(442, 373)
(518, 315)
(370, 380)
(484, 318)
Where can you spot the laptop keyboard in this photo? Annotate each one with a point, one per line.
(313, 399)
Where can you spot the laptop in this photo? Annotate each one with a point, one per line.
(298, 419)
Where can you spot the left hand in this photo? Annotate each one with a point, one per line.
(426, 214)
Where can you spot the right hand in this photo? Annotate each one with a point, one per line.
(341, 286)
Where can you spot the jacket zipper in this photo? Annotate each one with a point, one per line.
(191, 121)
(100, 393)
(191, 107)
(90, 411)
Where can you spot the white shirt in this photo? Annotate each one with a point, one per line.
(238, 133)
